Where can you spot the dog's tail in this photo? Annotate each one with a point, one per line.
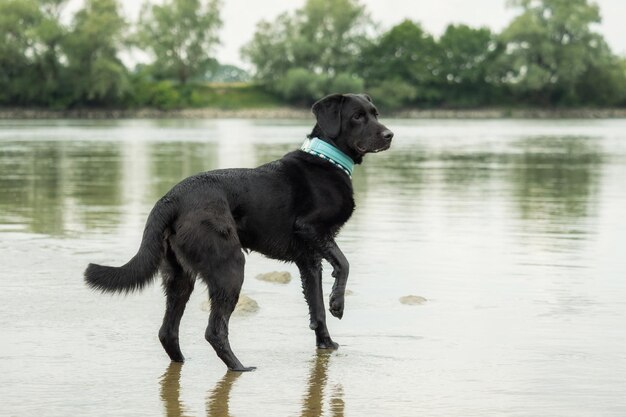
(142, 268)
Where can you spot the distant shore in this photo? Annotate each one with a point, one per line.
(298, 113)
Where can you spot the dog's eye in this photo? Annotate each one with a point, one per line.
(357, 116)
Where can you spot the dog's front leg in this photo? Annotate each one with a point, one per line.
(341, 268)
(331, 252)
(311, 274)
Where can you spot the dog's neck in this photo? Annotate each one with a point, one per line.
(317, 132)
(330, 153)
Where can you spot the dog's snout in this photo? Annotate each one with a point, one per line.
(387, 135)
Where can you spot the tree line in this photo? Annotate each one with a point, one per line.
(548, 55)
(44, 62)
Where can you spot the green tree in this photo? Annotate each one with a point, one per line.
(603, 83)
(467, 55)
(48, 52)
(97, 76)
(30, 38)
(407, 59)
(18, 18)
(225, 73)
(324, 37)
(549, 47)
(301, 86)
(181, 34)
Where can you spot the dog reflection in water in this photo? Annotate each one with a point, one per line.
(218, 399)
(314, 399)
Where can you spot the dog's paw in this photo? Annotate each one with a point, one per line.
(336, 305)
(243, 369)
(327, 343)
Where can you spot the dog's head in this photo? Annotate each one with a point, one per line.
(350, 122)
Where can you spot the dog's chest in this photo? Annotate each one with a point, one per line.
(331, 207)
(345, 211)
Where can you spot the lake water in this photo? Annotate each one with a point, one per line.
(513, 231)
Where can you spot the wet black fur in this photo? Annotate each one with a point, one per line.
(290, 209)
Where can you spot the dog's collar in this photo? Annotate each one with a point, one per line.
(325, 150)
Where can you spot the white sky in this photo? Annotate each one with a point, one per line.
(240, 18)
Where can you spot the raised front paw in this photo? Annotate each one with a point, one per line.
(336, 304)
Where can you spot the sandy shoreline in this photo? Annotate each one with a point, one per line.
(297, 113)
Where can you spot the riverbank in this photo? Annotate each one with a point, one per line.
(300, 113)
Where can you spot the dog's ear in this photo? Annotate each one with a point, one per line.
(327, 111)
(368, 98)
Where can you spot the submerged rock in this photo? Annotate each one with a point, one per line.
(278, 277)
(412, 300)
(244, 307)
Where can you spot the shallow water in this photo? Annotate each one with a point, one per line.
(513, 231)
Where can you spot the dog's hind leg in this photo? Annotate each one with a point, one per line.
(224, 282)
(311, 275)
(178, 285)
(207, 241)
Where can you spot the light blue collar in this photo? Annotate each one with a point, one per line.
(325, 150)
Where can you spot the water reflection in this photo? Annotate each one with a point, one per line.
(42, 183)
(556, 177)
(266, 152)
(170, 391)
(313, 403)
(218, 398)
(170, 162)
(466, 171)
(58, 187)
(217, 402)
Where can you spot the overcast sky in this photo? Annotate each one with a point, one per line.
(240, 18)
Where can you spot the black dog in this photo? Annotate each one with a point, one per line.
(290, 209)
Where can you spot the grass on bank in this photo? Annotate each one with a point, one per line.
(166, 95)
(169, 95)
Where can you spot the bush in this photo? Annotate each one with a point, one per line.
(393, 94)
(229, 96)
(164, 96)
(300, 86)
(159, 94)
(345, 83)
